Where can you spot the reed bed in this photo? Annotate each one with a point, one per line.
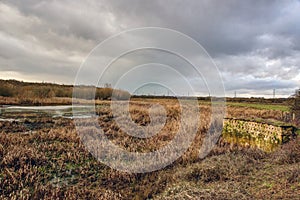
(52, 162)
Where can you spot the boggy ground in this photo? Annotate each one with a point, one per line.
(50, 162)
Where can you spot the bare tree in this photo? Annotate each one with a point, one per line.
(296, 107)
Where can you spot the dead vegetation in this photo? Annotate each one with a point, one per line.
(52, 163)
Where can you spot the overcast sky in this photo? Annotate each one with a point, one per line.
(255, 44)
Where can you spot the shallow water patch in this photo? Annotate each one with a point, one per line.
(19, 112)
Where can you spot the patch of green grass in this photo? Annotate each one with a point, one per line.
(268, 185)
(260, 106)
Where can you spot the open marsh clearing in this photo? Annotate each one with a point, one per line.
(42, 157)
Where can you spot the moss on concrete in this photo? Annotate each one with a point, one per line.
(258, 130)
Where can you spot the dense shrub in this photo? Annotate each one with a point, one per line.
(103, 93)
(63, 92)
(6, 91)
(43, 92)
(296, 108)
(121, 95)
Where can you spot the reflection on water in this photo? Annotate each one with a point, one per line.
(248, 141)
(7, 120)
(11, 113)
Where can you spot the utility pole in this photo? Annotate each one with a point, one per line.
(274, 93)
(234, 94)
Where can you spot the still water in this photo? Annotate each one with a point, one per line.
(13, 113)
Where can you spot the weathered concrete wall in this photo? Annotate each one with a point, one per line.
(269, 132)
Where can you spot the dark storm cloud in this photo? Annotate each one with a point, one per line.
(260, 39)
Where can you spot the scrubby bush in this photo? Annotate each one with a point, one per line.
(43, 92)
(103, 93)
(63, 92)
(84, 92)
(296, 108)
(6, 91)
(121, 95)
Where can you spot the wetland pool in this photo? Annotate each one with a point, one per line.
(13, 113)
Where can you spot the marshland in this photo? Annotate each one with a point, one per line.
(43, 157)
(130, 99)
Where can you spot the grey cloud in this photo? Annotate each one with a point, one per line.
(260, 38)
(249, 83)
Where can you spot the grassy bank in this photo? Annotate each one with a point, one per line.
(284, 108)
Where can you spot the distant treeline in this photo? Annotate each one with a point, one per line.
(286, 101)
(19, 89)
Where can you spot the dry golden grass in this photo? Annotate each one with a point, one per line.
(35, 101)
(52, 163)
